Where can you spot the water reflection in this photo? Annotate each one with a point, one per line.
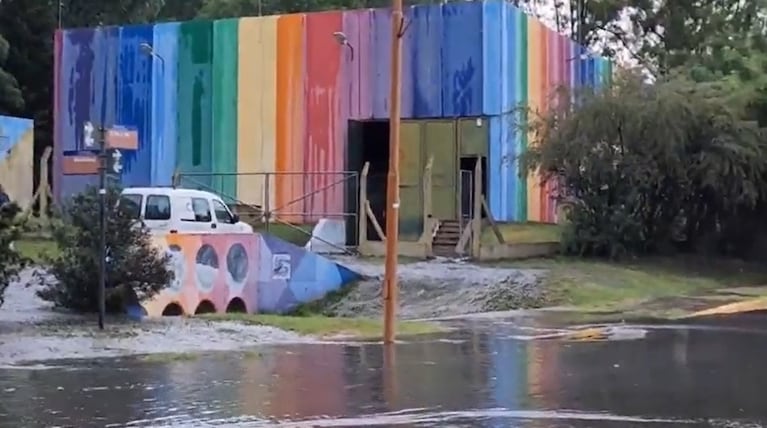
(480, 377)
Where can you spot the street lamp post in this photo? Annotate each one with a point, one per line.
(147, 49)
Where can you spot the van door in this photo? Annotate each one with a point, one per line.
(224, 218)
(157, 213)
(198, 216)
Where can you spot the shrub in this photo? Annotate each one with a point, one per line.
(135, 265)
(653, 167)
(11, 261)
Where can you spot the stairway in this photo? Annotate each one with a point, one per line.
(250, 214)
(447, 237)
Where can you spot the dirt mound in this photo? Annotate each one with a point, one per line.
(439, 288)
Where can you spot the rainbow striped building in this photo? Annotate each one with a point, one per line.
(280, 94)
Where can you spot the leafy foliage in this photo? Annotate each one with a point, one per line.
(11, 262)
(10, 94)
(135, 264)
(666, 35)
(648, 166)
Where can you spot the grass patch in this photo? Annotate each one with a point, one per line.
(297, 234)
(169, 357)
(601, 286)
(35, 249)
(319, 307)
(361, 328)
(523, 233)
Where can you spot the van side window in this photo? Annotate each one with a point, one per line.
(201, 210)
(222, 214)
(130, 204)
(157, 207)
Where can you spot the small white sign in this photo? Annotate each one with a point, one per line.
(117, 166)
(88, 139)
(281, 266)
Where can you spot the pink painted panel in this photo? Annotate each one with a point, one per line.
(213, 268)
(356, 65)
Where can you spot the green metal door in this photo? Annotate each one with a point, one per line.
(440, 142)
(473, 136)
(410, 185)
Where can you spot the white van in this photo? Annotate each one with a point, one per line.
(172, 210)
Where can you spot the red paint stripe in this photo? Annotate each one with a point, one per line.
(325, 148)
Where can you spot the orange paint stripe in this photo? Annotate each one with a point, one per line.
(290, 112)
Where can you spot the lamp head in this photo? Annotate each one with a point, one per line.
(146, 48)
(341, 38)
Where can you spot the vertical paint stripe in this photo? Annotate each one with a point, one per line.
(423, 52)
(324, 150)
(256, 106)
(364, 54)
(545, 73)
(164, 107)
(225, 74)
(76, 94)
(462, 59)
(134, 106)
(380, 62)
(350, 81)
(534, 101)
(268, 66)
(290, 115)
(492, 56)
(193, 150)
(524, 101)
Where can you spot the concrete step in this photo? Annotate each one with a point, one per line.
(444, 250)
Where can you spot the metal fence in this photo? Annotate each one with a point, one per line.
(286, 204)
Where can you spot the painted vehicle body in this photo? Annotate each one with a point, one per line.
(173, 210)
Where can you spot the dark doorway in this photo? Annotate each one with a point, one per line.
(467, 165)
(205, 307)
(173, 310)
(236, 305)
(368, 142)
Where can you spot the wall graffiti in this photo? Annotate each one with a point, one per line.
(16, 158)
(257, 273)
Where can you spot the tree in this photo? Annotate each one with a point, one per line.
(650, 166)
(11, 100)
(665, 35)
(135, 264)
(11, 262)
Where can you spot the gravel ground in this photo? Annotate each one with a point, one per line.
(31, 330)
(440, 288)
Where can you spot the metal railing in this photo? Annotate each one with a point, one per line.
(270, 195)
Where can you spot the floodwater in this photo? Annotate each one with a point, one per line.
(487, 374)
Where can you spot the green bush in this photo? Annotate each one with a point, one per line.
(136, 268)
(652, 168)
(11, 261)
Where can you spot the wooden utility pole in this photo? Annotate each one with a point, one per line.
(392, 184)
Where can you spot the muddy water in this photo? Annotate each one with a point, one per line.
(489, 374)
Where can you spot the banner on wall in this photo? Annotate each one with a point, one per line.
(281, 267)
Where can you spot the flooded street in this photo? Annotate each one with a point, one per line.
(487, 374)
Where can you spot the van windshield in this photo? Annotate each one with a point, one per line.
(130, 204)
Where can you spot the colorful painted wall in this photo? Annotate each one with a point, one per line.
(16, 158)
(264, 273)
(275, 93)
